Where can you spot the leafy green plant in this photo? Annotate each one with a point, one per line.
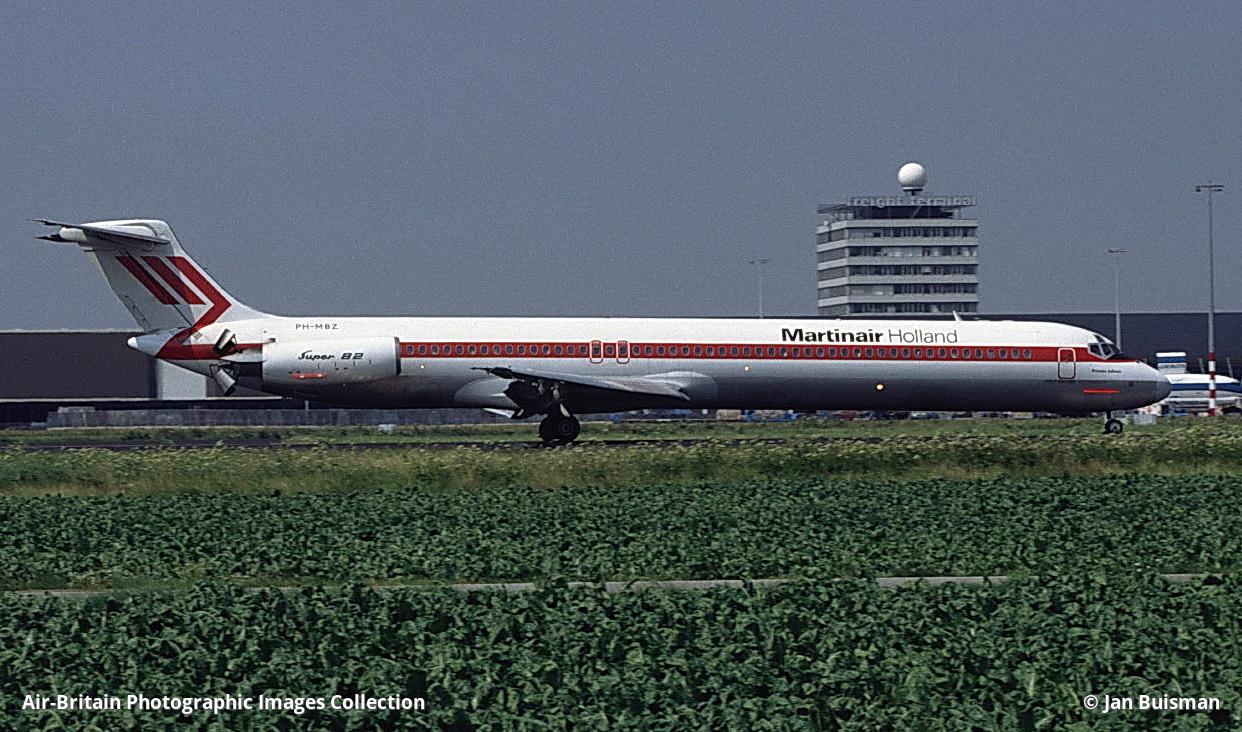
(807, 656)
(813, 528)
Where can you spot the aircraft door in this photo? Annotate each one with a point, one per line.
(1066, 365)
(597, 352)
(623, 351)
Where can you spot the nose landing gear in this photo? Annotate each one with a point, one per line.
(1113, 426)
(559, 429)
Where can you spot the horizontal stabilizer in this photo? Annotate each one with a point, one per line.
(129, 235)
(157, 281)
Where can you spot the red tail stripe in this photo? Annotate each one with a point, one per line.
(219, 303)
(147, 280)
(166, 274)
(177, 348)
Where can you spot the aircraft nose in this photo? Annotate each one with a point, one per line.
(1162, 386)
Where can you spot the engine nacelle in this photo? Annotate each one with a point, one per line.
(345, 361)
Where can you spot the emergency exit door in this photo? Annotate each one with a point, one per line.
(610, 350)
(1066, 364)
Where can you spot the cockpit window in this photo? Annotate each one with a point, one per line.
(1103, 349)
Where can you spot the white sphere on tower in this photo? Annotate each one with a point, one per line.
(912, 177)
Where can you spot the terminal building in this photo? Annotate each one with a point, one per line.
(898, 254)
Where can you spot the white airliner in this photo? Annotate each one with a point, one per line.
(562, 367)
(1192, 392)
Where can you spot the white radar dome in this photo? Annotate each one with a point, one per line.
(912, 177)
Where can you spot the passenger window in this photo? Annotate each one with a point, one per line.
(771, 351)
(711, 351)
(558, 350)
(832, 353)
(547, 350)
(733, 351)
(943, 352)
(819, 353)
(1026, 353)
(868, 352)
(918, 353)
(978, 353)
(991, 353)
(952, 353)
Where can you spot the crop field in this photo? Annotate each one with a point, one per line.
(318, 571)
(776, 528)
(848, 656)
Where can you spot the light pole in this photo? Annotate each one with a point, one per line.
(1117, 295)
(760, 263)
(1210, 189)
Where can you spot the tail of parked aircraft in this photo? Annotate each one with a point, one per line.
(160, 285)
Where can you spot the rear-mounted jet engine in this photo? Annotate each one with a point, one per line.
(308, 363)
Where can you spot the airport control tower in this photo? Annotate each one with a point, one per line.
(911, 253)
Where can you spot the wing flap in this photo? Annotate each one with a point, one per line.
(625, 385)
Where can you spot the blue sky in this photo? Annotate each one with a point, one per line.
(613, 159)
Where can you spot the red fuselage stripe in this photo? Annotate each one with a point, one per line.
(175, 282)
(140, 274)
(734, 351)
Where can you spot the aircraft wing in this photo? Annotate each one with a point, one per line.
(77, 234)
(618, 384)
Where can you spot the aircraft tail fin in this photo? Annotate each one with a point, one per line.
(161, 286)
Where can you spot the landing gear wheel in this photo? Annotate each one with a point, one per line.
(1113, 426)
(556, 429)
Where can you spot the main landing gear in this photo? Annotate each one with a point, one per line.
(1113, 426)
(559, 429)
